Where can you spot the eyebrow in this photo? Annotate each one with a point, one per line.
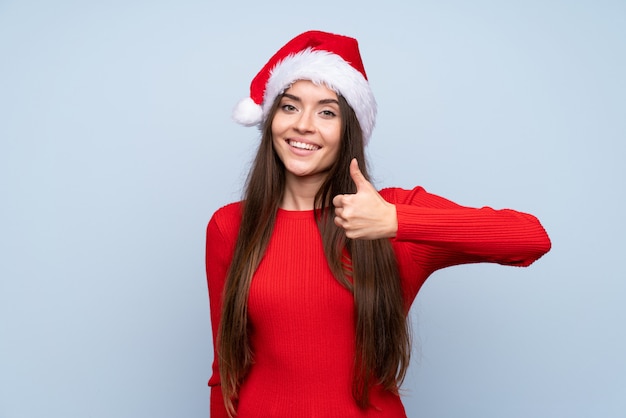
(297, 99)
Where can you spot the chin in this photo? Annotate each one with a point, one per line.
(299, 171)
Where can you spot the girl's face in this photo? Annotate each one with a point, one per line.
(306, 130)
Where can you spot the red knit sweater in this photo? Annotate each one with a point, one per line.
(302, 319)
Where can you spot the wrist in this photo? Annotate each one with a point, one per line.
(393, 221)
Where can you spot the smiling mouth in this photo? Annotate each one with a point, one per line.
(302, 145)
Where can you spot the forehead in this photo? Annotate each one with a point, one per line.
(309, 89)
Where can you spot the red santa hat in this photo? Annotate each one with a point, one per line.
(321, 57)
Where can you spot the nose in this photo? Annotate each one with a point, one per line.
(305, 123)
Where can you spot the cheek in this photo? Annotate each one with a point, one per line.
(277, 125)
(277, 148)
(274, 129)
(276, 133)
(280, 121)
(334, 137)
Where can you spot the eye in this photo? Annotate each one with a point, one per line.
(328, 113)
(288, 108)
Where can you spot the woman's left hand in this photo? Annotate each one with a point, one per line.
(365, 214)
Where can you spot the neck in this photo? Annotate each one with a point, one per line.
(300, 192)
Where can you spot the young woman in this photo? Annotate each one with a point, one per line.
(312, 274)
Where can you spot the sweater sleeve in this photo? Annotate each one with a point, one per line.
(448, 234)
(217, 264)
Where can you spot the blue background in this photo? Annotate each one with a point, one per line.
(116, 146)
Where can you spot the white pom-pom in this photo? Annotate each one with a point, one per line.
(248, 113)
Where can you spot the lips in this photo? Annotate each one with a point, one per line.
(303, 145)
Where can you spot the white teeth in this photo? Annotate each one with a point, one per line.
(302, 145)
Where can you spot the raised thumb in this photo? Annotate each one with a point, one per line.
(357, 176)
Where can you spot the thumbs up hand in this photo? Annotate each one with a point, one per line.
(365, 214)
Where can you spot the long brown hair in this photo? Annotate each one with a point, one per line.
(371, 273)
